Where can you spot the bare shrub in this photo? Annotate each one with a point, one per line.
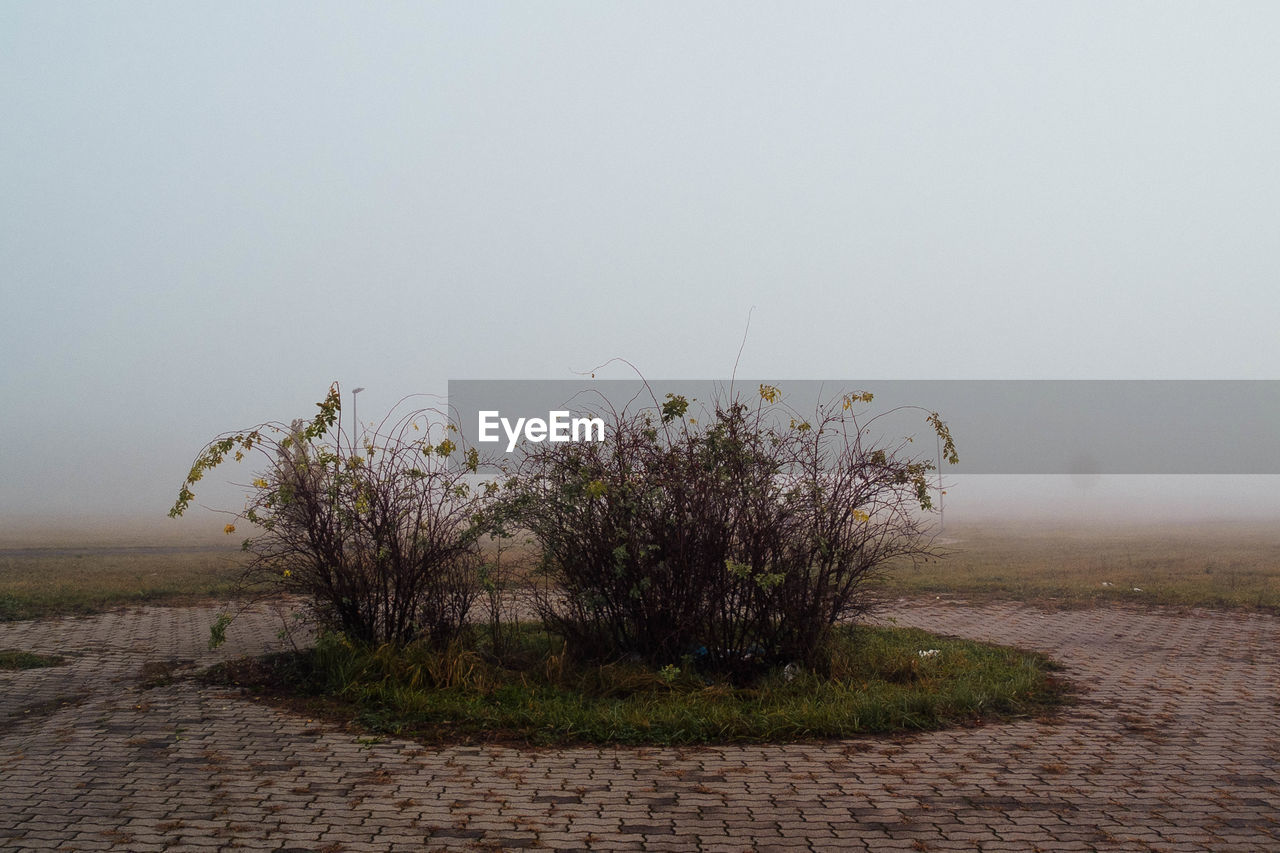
(734, 543)
(377, 534)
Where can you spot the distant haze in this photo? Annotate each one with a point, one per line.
(208, 213)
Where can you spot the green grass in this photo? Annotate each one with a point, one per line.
(1223, 565)
(37, 582)
(877, 683)
(15, 659)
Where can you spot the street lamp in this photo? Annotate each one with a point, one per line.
(354, 417)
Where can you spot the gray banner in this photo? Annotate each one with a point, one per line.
(1000, 426)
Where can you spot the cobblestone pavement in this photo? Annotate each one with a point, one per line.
(1174, 746)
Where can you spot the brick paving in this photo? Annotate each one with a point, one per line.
(1175, 746)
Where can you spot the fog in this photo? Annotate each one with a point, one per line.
(208, 213)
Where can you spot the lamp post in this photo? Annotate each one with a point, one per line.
(355, 426)
(942, 519)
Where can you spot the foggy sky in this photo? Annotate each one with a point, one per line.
(209, 212)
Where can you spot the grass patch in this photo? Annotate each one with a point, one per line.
(877, 682)
(14, 659)
(1220, 565)
(37, 582)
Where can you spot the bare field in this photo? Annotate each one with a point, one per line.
(1213, 564)
(1219, 564)
(83, 579)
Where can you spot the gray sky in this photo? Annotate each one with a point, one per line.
(208, 212)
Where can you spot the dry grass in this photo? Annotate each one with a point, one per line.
(44, 581)
(1224, 564)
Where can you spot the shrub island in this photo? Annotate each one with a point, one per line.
(691, 578)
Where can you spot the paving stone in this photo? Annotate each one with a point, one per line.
(1174, 745)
